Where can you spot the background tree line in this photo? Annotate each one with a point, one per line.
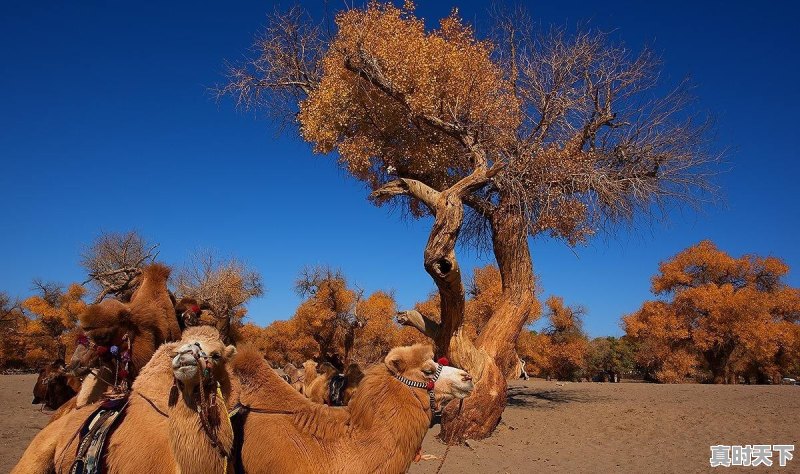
(719, 319)
(41, 328)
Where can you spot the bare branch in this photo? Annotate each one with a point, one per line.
(285, 66)
(223, 285)
(114, 261)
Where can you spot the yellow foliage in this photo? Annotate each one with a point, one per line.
(445, 75)
(726, 315)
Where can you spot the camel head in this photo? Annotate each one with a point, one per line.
(415, 364)
(326, 369)
(292, 372)
(54, 385)
(201, 358)
(105, 342)
(120, 337)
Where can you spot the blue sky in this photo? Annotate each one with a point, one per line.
(106, 124)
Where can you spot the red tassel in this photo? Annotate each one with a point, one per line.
(443, 361)
(101, 350)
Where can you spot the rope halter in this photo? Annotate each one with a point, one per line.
(428, 385)
(209, 390)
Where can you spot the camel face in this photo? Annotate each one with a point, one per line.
(200, 358)
(416, 363)
(454, 383)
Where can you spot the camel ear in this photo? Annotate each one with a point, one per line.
(395, 363)
(230, 351)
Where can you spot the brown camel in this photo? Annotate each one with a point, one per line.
(141, 442)
(139, 327)
(296, 376)
(381, 430)
(188, 312)
(55, 386)
(332, 388)
(317, 389)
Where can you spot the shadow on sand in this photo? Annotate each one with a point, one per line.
(527, 397)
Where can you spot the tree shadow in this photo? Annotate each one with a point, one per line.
(526, 397)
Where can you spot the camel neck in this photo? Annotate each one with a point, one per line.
(191, 445)
(384, 409)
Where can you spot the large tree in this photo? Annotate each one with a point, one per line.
(53, 315)
(719, 309)
(516, 135)
(568, 342)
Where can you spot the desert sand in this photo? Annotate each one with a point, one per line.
(562, 427)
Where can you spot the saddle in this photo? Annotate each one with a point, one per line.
(93, 435)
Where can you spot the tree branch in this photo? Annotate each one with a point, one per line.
(409, 187)
(415, 319)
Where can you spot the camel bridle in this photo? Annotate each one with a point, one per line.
(428, 385)
(118, 353)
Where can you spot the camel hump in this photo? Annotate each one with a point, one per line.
(247, 364)
(156, 272)
(107, 313)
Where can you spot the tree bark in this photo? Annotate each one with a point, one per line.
(718, 359)
(490, 358)
(495, 348)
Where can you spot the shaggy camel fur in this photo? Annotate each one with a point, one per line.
(148, 320)
(380, 431)
(141, 441)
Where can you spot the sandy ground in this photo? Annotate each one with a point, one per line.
(19, 419)
(571, 428)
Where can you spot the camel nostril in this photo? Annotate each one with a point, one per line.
(466, 377)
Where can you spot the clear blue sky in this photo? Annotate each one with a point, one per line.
(106, 123)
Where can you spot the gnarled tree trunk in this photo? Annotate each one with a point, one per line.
(496, 344)
(490, 357)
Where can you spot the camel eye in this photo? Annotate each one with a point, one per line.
(215, 355)
(428, 371)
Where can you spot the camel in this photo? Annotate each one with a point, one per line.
(55, 386)
(309, 374)
(141, 442)
(188, 312)
(295, 375)
(332, 388)
(381, 429)
(317, 389)
(200, 433)
(121, 337)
